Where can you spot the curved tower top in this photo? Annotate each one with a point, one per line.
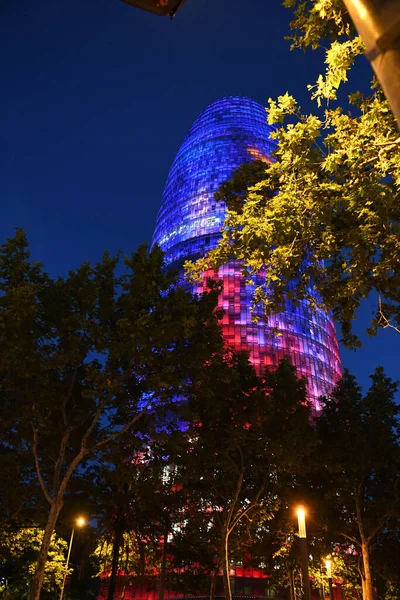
(229, 132)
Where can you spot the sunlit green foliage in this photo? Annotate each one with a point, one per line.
(326, 214)
(18, 553)
(130, 557)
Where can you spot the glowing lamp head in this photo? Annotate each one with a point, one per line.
(80, 521)
(301, 515)
(328, 565)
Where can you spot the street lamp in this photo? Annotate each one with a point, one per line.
(301, 515)
(378, 23)
(80, 522)
(328, 565)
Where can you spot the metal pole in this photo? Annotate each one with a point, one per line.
(328, 565)
(378, 24)
(66, 567)
(304, 568)
(330, 588)
(304, 553)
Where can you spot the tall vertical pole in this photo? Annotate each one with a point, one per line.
(378, 24)
(329, 574)
(301, 515)
(66, 566)
(330, 588)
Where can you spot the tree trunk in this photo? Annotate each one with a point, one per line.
(290, 574)
(225, 569)
(126, 565)
(367, 582)
(163, 566)
(123, 590)
(362, 586)
(118, 537)
(37, 581)
(213, 585)
(142, 557)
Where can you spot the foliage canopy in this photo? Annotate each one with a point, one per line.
(325, 214)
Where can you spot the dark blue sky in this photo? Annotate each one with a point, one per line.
(96, 97)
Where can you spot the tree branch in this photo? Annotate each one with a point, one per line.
(357, 500)
(381, 523)
(37, 465)
(252, 505)
(67, 397)
(350, 538)
(383, 321)
(60, 460)
(125, 428)
(237, 491)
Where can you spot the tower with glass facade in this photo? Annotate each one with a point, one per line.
(228, 133)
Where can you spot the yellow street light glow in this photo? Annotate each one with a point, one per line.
(301, 515)
(80, 521)
(328, 565)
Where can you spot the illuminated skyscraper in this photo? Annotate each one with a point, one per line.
(228, 133)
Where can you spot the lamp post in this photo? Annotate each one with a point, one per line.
(80, 522)
(301, 515)
(328, 565)
(378, 23)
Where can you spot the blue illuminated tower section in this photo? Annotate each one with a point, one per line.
(228, 133)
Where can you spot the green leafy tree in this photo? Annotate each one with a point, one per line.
(385, 560)
(344, 566)
(357, 484)
(325, 214)
(238, 458)
(131, 559)
(277, 546)
(277, 551)
(19, 490)
(18, 552)
(84, 358)
(142, 499)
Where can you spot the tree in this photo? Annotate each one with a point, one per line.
(276, 548)
(357, 481)
(130, 557)
(18, 552)
(89, 357)
(322, 221)
(238, 459)
(142, 506)
(19, 491)
(386, 562)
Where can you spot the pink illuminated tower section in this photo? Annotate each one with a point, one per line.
(228, 133)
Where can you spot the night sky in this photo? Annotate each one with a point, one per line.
(96, 98)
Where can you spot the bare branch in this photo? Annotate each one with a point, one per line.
(387, 143)
(37, 465)
(381, 523)
(92, 425)
(238, 489)
(67, 397)
(84, 451)
(14, 514)
(60, 460)
(384, 321)
(125, 428)
(350, 538)
(248, 508)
